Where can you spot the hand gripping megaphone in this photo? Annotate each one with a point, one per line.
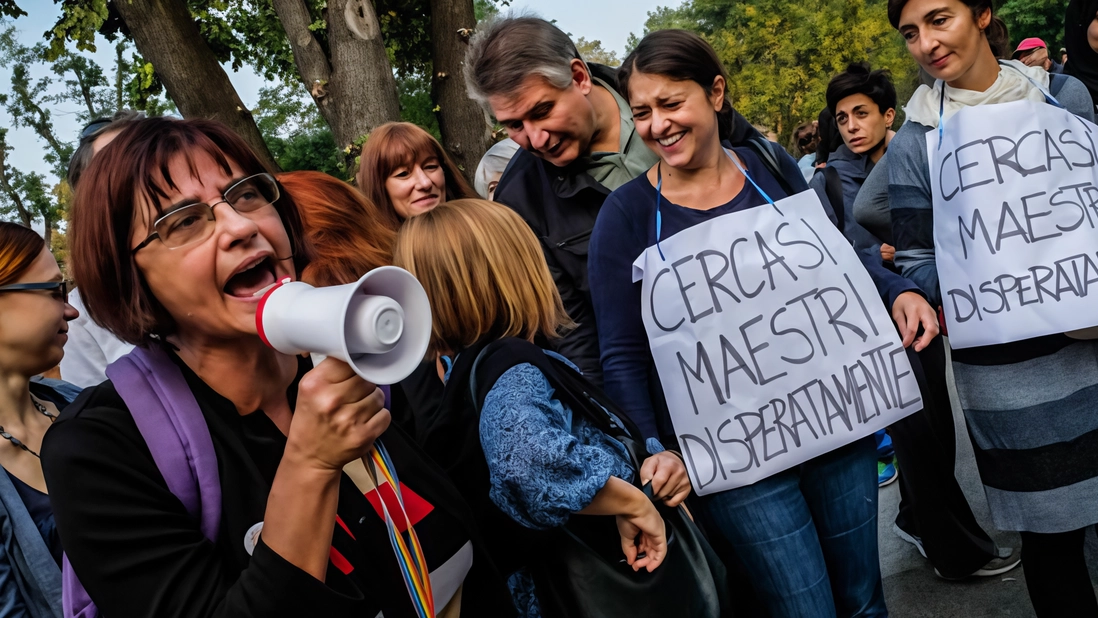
(380, 325)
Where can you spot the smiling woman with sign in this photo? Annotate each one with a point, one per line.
(991, 185)
(776, 357)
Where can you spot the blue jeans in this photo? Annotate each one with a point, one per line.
(808, 535)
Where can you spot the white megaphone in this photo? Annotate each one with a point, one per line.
(380, 325)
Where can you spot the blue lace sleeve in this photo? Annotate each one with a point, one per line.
(544, 464)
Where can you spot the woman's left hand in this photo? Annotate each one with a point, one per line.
(643, 537)
(670, 483)
(909, 311)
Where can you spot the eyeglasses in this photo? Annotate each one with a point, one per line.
(62, 287)
(806, 140)
(193, 223)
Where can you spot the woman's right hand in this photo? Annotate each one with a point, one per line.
(652, 539)
(337, 418)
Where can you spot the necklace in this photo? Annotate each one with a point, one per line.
(19, 443)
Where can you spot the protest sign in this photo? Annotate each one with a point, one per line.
(1015, 195)
(771, 342)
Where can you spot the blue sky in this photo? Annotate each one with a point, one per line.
(609, 21)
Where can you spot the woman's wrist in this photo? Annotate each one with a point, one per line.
(638, 504)
(299, 465)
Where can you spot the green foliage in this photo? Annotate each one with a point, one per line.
(486, 9)
(79, 21)
(1039, 18)
(405, 26)
(592, 51)
(143, 90)
(780, 55)
(295, 132)
(84, 83)
(26, 102)
(415, 103)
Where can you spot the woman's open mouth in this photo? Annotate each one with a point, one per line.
(253, 278)
(667, 142)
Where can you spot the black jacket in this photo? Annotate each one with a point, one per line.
(561, 204)
(139, 553)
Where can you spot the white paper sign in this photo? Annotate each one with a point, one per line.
(771, 342)
(1015, 222)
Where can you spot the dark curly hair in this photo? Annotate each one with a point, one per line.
(858, 78)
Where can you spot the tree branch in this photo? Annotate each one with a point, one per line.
(6, 187)
(309, 56)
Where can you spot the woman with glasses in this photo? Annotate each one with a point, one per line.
(34, 318)
(174, 249)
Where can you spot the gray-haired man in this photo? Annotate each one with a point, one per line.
(577, 145)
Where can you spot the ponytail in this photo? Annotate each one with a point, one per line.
(998, 37)
(726, 121)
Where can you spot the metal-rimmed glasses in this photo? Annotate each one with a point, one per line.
(63, 288)
(194, 222)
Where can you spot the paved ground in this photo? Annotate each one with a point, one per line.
(911, 588)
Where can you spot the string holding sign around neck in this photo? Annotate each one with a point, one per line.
(752, 181)
(659, 196)
(413, 566)
(1051, 100)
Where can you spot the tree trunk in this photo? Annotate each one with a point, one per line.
(463, 124)
(167, 37)
(353, 87)
(47, 234)
(118, 68)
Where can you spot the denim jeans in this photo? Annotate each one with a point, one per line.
(808, 535)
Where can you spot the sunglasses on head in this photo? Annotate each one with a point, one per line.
(94, 127)
(62, 287)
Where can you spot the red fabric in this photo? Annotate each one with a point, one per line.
(339, 520)
(416, 507)
(340, 562)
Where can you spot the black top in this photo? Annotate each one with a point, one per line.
(38, 507)
(36, 502)
(138, 552)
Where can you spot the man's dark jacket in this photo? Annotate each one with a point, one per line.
(561, 204)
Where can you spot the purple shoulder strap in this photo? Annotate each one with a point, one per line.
(168, 417)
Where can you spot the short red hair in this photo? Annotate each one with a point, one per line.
(395, 144)
(130, 170)
(342, 226)
(19, 248)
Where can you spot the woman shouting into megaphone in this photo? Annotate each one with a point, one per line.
(206, 476)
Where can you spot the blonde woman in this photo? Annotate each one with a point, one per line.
(525, 457)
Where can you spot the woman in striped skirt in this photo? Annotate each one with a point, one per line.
(1031, 405)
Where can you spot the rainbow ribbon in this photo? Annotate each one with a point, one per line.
(413, 566)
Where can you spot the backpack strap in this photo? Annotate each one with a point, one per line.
(170, 421)
(569, 386)
(833, 187)
(1056, 83)
(172, 424)
(765, 149)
